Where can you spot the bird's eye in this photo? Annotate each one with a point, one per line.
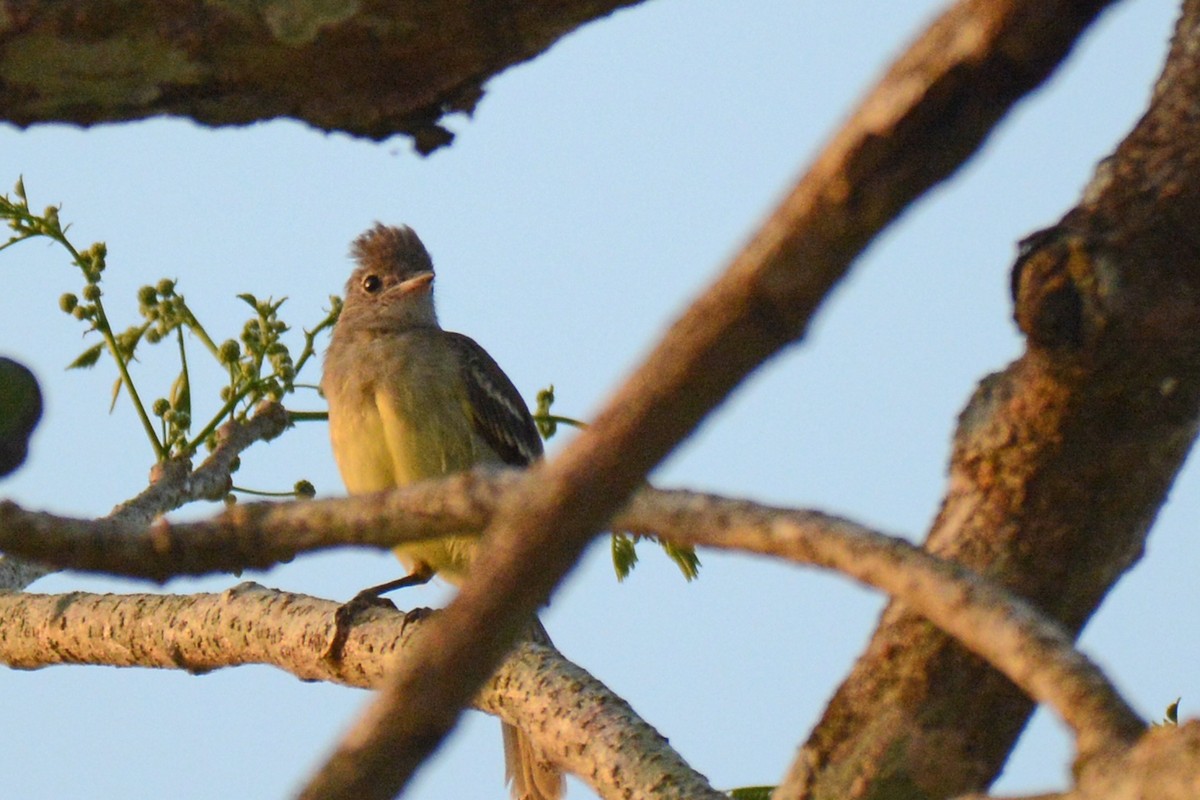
(372, 283)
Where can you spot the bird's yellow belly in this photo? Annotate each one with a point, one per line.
(378, 449)
(361, 450)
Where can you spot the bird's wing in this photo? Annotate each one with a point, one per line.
(498, 414)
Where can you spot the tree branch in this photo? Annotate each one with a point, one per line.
(1060, 463)
(1013, 636)
(254, 535)
(369, 69)
(575, 719)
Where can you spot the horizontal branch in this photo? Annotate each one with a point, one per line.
(576, 720)
(252, 535)
(1034, 652)
(369, 69)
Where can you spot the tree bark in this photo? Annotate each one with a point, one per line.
(371, 68)
(1060, 462)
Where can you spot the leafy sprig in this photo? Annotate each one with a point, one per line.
(623, 544)
(27, 225)
(259, 364)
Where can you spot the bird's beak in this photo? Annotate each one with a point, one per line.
(416, 283)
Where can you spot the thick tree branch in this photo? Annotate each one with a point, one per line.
(575, 719)
(923, 120)
(367, 67)
(1060, 462)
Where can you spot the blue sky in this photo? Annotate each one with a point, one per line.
(595, 191)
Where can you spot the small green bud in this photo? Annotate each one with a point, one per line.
(80, 312)
(68, 302)
(235, 465)
(160, 407)
(305, 490)
(127, 341)
(166, 287)
(154, 336)
(91, 292)
(230, 351)
(19, 189)
(229, 499)
(226, 393)
(182, 419)
(95, 256)
(147, 296)
(275, 348)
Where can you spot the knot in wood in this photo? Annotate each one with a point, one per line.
(1047, 292)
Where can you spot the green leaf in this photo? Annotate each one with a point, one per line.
(684, 557)
(87, 358)
(181, 389)
(625, 558)
(181, 394)
(624, 555)
(116, 392)
(752, 793)
(546, 426)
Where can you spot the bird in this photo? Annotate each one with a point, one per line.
(409, 401)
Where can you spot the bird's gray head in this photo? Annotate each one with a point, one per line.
(392, 283)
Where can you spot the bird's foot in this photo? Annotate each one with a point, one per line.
(343, 620)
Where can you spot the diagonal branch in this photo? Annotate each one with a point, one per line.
(927, 116)
(1013, 636)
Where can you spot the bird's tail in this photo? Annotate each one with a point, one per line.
(533, 776)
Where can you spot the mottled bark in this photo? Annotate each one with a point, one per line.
(1060, 462)
(575, 719)
(367, 67)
